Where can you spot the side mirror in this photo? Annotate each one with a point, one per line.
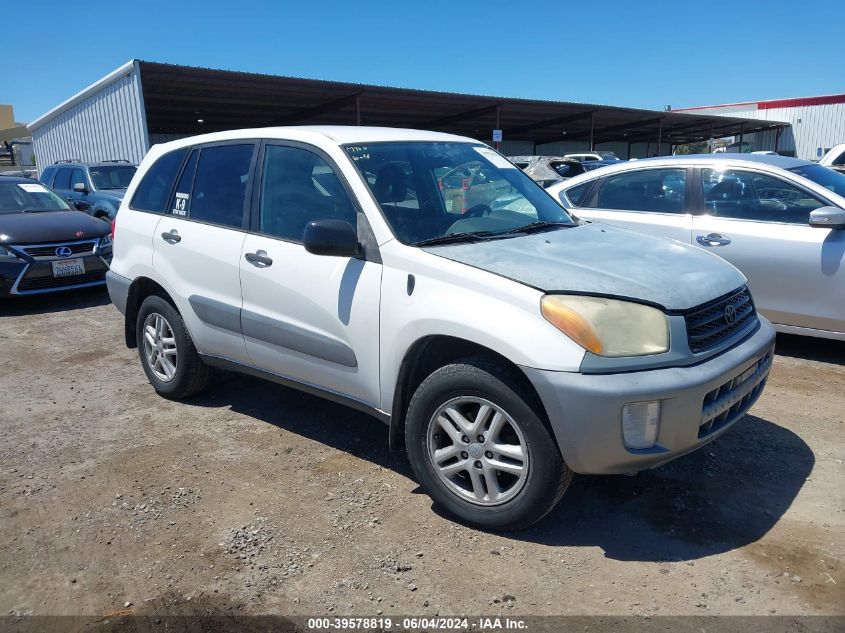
(334, 238)
(828, 218)
(80, 187)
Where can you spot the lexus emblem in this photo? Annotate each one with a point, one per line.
(730, 314)
(63, 251)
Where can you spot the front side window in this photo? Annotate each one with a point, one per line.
(62, 180)
(298, 187)
(112, 176)
(154, 189)
(650, 190)
(219, 189)
(429, 190)
(824, 176)
(77, 175)
(28, 197)
(747, 195)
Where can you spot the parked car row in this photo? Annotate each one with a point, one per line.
(426, 280)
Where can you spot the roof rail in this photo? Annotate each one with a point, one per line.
(116, 160)
(68, 160)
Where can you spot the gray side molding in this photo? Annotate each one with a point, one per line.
(118, 287)
(216, 313)
(295, 338)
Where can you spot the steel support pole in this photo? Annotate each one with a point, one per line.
(357, 110)
(592, 130)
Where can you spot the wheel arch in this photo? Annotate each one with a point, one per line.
(140, 289)
(428, 354)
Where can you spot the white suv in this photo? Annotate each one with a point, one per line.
(506, 344)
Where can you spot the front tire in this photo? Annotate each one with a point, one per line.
(168, 356)
(477, 442)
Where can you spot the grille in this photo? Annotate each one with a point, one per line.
(729, 402)
(707, 325)
(45, 283)
(49, 250)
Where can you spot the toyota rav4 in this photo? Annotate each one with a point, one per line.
(505, 343)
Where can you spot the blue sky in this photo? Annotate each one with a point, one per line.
(638, 54)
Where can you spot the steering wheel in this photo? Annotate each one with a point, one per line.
(478, 211)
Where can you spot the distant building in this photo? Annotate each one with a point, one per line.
(816, 124)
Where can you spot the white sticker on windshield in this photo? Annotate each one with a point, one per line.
(32, 187)
(495, 157)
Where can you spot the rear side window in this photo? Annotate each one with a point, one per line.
(62, 180)
(47, 176)
(219, 189)
(154, 189)
(654, 190)
(181, 204)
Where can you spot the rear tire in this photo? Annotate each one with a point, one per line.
(167, 353)
(478, 443)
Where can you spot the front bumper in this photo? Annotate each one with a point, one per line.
(697, 404)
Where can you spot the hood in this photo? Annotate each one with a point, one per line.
(604, 260)
(117, 194)
(49, 226)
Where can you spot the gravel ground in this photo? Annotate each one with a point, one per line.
(258, 499)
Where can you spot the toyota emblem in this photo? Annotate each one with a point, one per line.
(63, 251)
(730, 314)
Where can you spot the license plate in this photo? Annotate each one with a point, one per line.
(68, 267)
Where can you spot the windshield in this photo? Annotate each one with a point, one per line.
(112, 177)
(22, 197)
(823, 176)
(429, 190)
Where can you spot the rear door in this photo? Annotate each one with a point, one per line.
(655, 200)
(311, 318)
(760, 223)
(198, 241)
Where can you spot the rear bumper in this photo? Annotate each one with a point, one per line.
(697, 404)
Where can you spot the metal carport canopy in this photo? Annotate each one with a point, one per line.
(177, 98)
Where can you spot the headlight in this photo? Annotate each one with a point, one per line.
(608, 327)
(6, 254)
(105, 241)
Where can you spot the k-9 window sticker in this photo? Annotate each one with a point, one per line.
(180, 207)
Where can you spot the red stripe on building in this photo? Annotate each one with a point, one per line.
(776, 103)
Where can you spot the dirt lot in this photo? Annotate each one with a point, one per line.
(259, 499)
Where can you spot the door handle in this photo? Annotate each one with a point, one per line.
(259, 258)
(171, 237)
(713, 239)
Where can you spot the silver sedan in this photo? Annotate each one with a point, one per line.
(780, 220)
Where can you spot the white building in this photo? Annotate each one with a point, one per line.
(816, 124)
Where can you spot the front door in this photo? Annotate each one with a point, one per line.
(760, 224)
(653, 201)
(314, 319)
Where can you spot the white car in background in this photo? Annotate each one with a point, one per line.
(780, 220)
(835, 158)
(584, 157)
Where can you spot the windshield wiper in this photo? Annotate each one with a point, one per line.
(538, 226)
(454, 238)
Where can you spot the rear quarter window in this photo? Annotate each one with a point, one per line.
(577, 194)
(153, 192)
